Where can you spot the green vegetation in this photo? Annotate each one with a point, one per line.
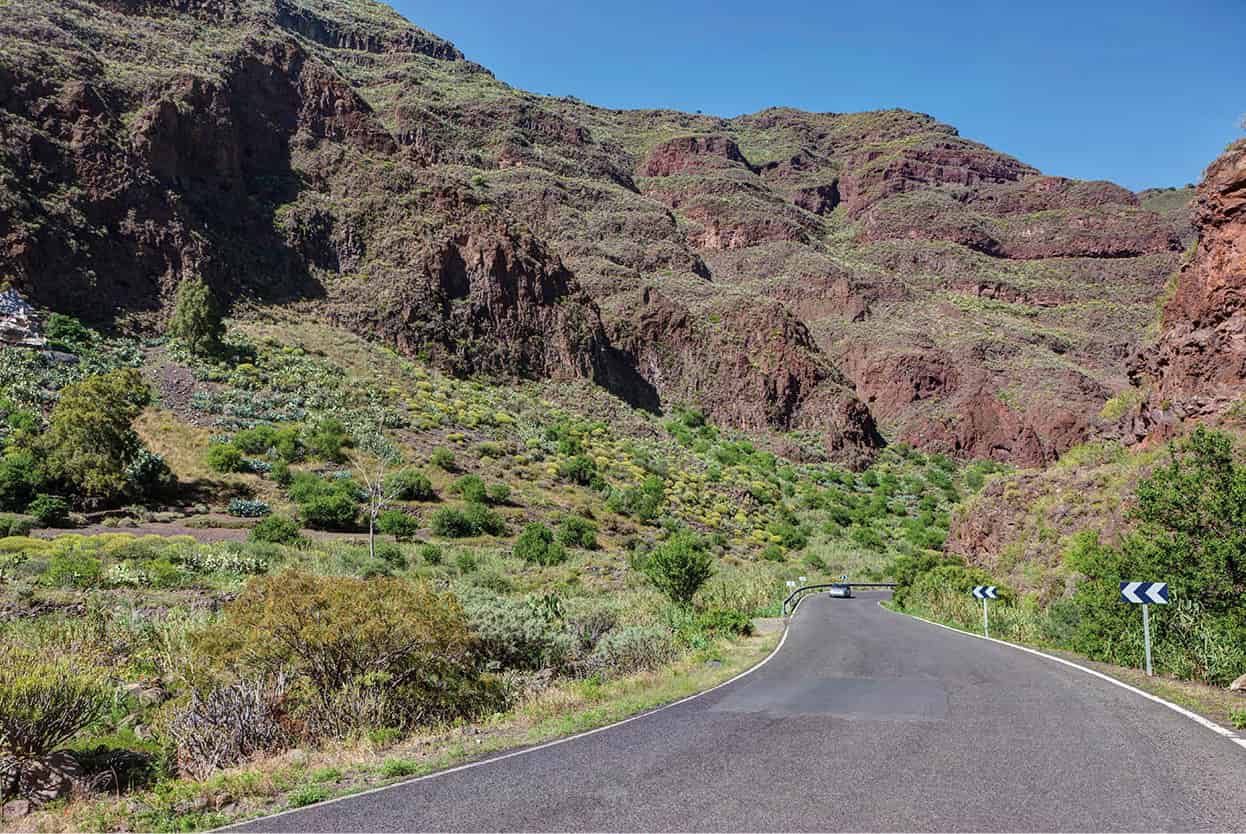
(197, 319)
(1188, 516)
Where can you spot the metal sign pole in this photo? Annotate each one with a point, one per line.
(986, 622)
(1146, 636)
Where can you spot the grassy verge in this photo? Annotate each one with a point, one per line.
(297, 778)
(1225, 707)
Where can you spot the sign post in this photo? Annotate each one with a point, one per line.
(1144, 594)
(985, 592)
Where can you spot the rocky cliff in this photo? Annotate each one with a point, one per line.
(848, 275)
(1197, 367)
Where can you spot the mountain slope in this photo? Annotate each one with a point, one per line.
(799, 272)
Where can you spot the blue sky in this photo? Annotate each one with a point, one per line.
(1144, 93)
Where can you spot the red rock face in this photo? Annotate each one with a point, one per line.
(693, 153)
(1198, 366)
(750, 367)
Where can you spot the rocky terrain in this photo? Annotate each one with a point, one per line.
(839, 277)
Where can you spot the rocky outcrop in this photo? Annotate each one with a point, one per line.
(1197, 368)
(749, 366)
(693, 153)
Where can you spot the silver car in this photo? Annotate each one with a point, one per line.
(841, 591)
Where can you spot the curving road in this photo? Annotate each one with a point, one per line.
(865, 720)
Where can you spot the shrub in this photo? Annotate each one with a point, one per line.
(471, 488)
(536, 545)
(575, 531)
(148, 474)
(46, 700)
(68, 332)
(515, 634)
(465, 562)
(443, 459)
(579, 469)
(15, 525)
(90, 438)
(484, 521)
(276, 529)
(679, 567)
(773, 553)
(325, 439)
(49, 511)
(392, 652)
(632, 649)
(723, 621)
(19, 480)
(333, 511)
(498, 494)
(430, 554)
(398, 524)
(391, 555)
(450, 523)
(197, 319)
(224, 457)
(643, 501)
(244, 508)
(229, 724)
(410, 485)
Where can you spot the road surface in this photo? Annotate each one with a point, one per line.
(865, 720)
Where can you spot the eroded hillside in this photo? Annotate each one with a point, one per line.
(828, 275)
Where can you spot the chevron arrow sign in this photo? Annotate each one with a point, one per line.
(1145, 593)
(988, 592)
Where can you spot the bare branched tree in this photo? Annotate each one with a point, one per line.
(374, 458)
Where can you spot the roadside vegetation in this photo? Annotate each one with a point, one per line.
(1187, 517)
(473, 553)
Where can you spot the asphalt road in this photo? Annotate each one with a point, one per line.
(865, 720)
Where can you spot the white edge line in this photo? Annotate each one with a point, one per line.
(1236, 738)
(526, 750)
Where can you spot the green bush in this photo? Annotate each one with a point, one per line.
(430, 554)
(15, 525)
(379, 653)
(536, 545)
(197, 319)
(73, 569)
(717, 621)
(224, 457)
(579, 469)
(68, 332)
(19, 481)
(443, 459)
(334, 511)
(90, 438)
(49, 511)
(471, 488)
(484, 521)
(643, 501)
(498, 493)
(515, 634)
(410, 485)
(46, 700)
(575, 531)
(276, 529)
(398, 524)
(632, 649)
(679, 567)
(451, 523)
(325, 438)
(147, 474)
(773, 553)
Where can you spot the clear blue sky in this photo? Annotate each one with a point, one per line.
(1144, 93)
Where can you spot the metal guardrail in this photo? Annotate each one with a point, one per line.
(789, 604)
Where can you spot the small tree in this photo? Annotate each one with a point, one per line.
(374, 459)
(679, 567)
(197, 319)
(90, 439)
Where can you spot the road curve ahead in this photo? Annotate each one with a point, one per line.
(865, 720)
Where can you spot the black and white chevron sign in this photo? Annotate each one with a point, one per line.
(985, 592)
(1145, 593)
